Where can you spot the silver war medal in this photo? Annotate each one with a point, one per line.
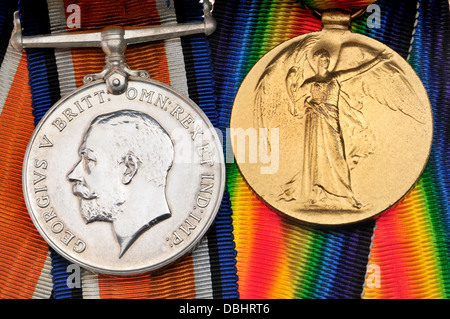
(123, 175)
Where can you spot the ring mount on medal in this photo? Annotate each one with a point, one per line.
(330, 171)
(194, 182)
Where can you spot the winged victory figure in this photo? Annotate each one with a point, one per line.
(322, 84)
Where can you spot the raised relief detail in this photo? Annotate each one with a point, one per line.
(121, 176)
(328, 86)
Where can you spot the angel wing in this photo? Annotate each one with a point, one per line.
(377, 76)
(385, 83)
(278, 87)
(398, 94)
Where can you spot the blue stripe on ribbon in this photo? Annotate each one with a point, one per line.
(44, 86)
(201, 90)
(59, 276)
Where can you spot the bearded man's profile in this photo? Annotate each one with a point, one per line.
(121, 177)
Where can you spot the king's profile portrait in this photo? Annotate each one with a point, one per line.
(121, 176)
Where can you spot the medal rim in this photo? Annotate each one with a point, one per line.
(175, 257)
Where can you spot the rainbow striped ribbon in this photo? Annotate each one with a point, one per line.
(405, 253)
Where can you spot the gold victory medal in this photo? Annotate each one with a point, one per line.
(346, 118)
